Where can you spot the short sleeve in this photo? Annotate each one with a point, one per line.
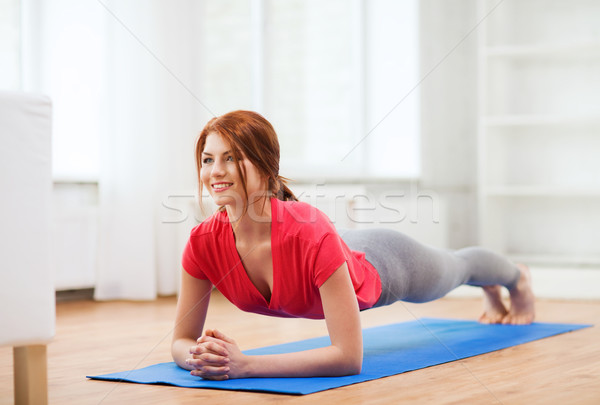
(328, 257)
(189, 260)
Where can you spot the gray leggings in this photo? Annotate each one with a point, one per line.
(413, 272)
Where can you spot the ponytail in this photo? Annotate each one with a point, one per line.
(283, 191)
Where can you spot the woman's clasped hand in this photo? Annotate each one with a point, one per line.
(216, 357)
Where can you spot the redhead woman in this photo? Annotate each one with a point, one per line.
(270, 254)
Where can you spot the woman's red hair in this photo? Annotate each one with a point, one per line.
(252, 135)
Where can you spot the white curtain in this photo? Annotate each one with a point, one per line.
(147, 176)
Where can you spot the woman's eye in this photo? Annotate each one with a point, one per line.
(207, 161)
(230, 158)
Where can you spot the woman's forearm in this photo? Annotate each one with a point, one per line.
(328, 361)
(180, 351)
(216, 356)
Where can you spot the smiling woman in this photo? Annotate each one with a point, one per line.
(219, 174)
(270, 254)
(227, 172)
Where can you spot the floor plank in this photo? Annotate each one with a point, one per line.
(101, 337)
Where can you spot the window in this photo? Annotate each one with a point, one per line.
(73, 73)
(10, 42)
(334, 77)
(61, 53)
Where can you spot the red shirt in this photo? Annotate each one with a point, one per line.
(306, 251)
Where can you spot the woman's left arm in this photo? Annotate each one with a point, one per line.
(342, 357)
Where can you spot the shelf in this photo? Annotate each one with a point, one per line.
(540, 120)
(586, 261)
(538, 143)
(541, 191)
(541, 50)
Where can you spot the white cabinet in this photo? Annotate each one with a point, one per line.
(539, 131)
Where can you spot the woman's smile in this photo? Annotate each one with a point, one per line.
(220, 175)
(218, 187)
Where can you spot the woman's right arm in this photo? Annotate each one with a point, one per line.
(192, 306)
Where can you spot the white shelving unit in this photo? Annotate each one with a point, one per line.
(539, 132)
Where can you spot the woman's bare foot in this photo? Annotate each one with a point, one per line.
(494, 310)
(522, 300)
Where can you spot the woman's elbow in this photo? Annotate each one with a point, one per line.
(356, 367)
(352, 365)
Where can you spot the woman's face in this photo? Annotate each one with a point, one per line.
(219, 174)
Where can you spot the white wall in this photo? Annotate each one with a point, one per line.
(74, 235)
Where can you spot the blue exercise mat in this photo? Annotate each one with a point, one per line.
(388, 350)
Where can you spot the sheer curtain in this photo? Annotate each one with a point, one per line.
(146, 159)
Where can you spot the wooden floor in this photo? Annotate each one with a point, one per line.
(96, 338)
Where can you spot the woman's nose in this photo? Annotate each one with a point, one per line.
(218, 169)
